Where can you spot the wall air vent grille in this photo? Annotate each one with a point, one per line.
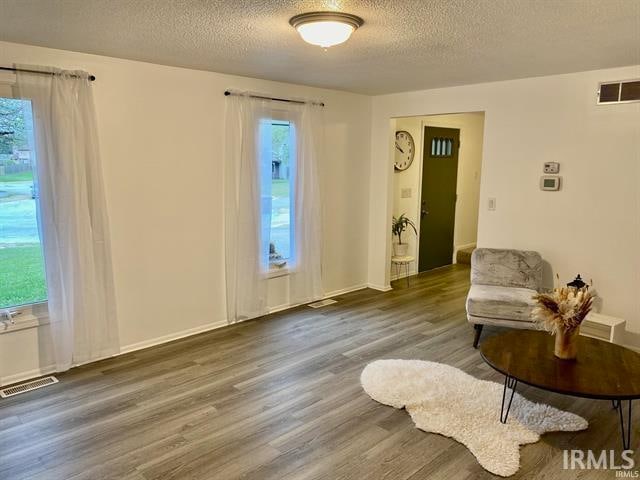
(322, 303)
(28, 386)
(624, 91)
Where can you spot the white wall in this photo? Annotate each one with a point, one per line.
(591, 226)
(161, 132)
(471, 127)
(161, 138)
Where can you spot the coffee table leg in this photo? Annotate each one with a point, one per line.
(512, 383)
(626, 433)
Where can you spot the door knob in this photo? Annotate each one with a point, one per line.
(424, 212)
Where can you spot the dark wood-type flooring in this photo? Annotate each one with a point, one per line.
(278, 398)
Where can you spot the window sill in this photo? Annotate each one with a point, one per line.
(279, 272)
(27, 321)
(28, 317)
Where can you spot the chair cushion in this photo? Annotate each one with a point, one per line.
(506, 303)
(506, 268)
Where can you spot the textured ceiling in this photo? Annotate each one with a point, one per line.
(403, 45)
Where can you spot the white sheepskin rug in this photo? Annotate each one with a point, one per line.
(442, 399)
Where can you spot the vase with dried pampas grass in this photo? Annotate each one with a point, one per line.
(561, 312)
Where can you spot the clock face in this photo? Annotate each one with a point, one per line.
(405, 150)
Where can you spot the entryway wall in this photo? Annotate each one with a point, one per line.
(408, 182)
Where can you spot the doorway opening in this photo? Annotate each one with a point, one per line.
(436, 185)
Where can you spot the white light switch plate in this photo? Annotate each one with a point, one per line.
(491, 204)
(551, 167)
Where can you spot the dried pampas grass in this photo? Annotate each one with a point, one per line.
(563, 309)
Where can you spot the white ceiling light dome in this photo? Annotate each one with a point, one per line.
(325, 29)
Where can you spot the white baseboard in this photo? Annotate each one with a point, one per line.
(380, 288)
(334, 293)
(47, 370)
(172, 336)
(279, 308)
(466, 245)
(342, 291)
(461, 247)
(221, 323)
(28, 375)
(631, 340)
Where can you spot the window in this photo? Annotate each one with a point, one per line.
(22, 279)
(277, 162)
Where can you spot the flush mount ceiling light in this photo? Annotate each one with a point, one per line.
(325, 28)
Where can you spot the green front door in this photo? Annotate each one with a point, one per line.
(438, 201)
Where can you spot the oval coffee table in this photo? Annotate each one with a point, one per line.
(602, 370)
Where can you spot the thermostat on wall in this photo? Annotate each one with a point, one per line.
(551, 183)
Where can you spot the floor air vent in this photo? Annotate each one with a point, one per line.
(323, 303)
(28, 386)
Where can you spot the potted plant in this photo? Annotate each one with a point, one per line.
(399, 225)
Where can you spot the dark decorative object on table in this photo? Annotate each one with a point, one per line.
(577, 283)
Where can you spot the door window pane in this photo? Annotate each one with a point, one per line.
(22, 279)
(441, 147)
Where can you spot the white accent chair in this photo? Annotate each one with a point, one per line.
(503, 283)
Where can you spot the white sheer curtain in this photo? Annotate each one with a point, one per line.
(73, 217)
(248, 202)
(305, 283)
(246, 281)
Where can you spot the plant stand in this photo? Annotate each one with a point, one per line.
(402, 261)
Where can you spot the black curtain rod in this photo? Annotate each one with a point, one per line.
(11, 69)
(275, 99)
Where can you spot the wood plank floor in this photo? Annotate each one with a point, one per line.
(277, 398)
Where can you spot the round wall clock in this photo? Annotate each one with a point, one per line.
(405, 150)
